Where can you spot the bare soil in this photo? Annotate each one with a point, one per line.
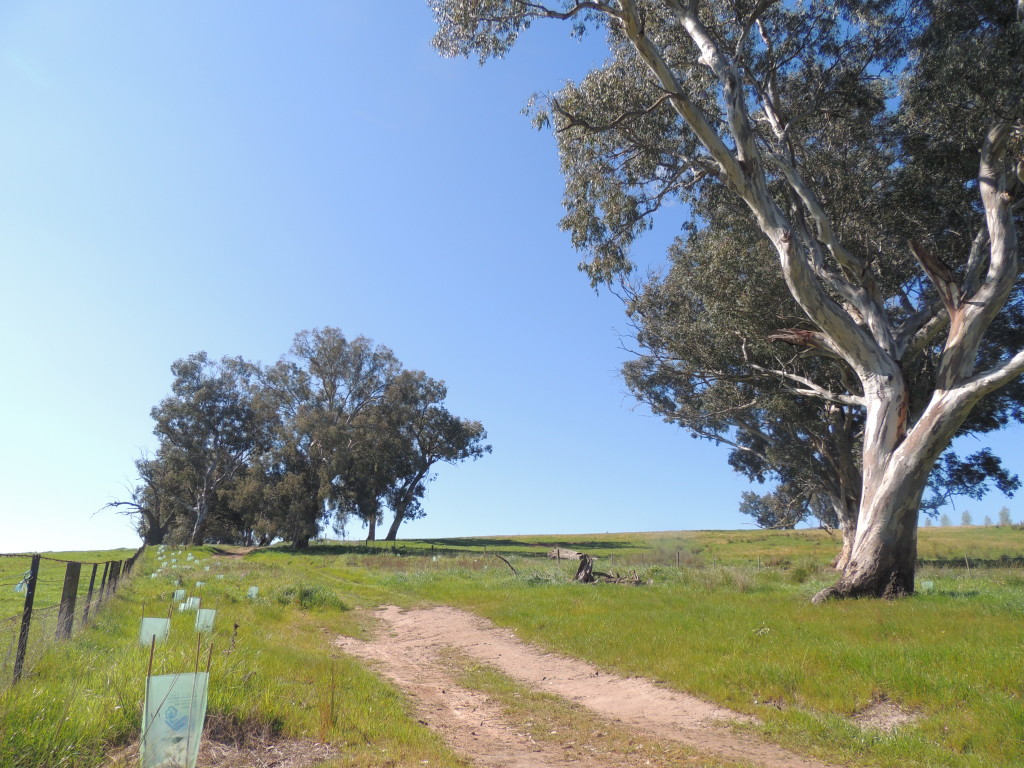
(884, 715)
(410, 650)
(261, 753)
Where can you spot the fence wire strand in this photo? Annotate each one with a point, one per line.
(47, 624)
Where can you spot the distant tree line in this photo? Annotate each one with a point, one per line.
(335, 431)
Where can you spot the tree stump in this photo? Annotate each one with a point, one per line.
(585, 572)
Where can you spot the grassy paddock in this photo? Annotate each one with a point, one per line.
(49, 587)
(701, 548)
(276, 673)
(51, 577)
(733, 624)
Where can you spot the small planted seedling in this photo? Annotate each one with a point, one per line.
(204, 619)
(190, 604)
(154, 630)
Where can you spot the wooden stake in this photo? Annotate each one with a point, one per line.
(26, 618)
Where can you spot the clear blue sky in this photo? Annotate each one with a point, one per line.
(188, 176)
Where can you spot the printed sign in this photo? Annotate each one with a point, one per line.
(172, 720)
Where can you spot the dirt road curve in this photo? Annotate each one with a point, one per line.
(408, 649)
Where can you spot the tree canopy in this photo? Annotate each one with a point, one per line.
(336, 428)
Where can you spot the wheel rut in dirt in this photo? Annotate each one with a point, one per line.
(410, 648)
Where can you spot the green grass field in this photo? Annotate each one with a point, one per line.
(732, 624)
(51, 576)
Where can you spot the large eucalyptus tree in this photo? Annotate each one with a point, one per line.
(322, 391)
(209, 428)
(875, 147)
(710, 362)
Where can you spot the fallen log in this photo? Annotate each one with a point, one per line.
(564, 554)
(586, 574)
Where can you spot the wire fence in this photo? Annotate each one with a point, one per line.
(57, 597)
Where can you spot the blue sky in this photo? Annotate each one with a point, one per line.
(188, 176)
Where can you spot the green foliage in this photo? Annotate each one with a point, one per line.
(209, 428)
(772, 510)
(310, 597)
(248, 455)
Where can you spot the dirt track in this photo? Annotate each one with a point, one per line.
(409, 649)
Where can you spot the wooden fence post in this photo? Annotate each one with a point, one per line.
(66, 614)
(115, 572)
(103, 584)
(26, 618)
(88, 597)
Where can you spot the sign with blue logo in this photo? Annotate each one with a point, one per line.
(172, 720)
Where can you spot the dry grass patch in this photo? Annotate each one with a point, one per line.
(884, 715)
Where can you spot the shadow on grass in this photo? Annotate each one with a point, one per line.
(428, 547)
(481, 543)
(513, 544)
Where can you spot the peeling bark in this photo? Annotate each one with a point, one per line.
(883, 558)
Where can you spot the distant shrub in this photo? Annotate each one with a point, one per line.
(743, 579)
(800, 574)
(310, 597)
(1014, 579)
(661, 573)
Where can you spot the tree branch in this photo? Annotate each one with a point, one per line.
(974, 317)
(810, 388)
(575, 121)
